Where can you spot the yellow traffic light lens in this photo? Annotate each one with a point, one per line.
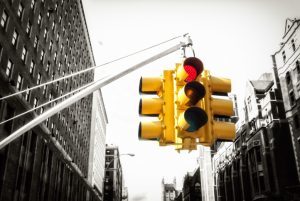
(191, 93)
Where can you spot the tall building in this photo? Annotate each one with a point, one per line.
(113, 183)
(287, 64)
(97, 146)
(39, 42)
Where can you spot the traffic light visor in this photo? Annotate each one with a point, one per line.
(191, 93)
(192, 119)
(189, 70)
(150, 130)
(193, 67)
(150, 85)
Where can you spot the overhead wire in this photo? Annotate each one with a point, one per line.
(46, 103)
(88, 69)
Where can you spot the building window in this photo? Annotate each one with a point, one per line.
(9, 68)
(39, 19)
(39, 78)
(296, 121)
(20, 10)
(284, 56)
(293, 45)
(35, 102)
(28, 27)
(45, 89)
(27, 94)
(35, 42)
(4, 18)
(59, 67)
(288, 78)
(48, 66)
(14, 38)
(19, 82)
(31, 69)
(292, 98)
(50, 45)
(42, 55)
(32, 4)
(46, 34)
(24, 53)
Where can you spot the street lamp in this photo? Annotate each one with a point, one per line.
(113, 169)
(115, 157)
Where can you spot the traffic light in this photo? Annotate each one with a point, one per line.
(161, 106)
(217, 110)
(189, 117)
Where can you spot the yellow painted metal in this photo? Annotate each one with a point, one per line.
(150, 85)
(222, 107)
(181, 122)
(218, 84)
(224, 130)
(214, 130)
(182, 98)
(205, 133)
(151, 106)
(181, 74)
(168, 107)
(189, 144)
(150, 130)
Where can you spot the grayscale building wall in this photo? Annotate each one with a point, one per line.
(97, 146)
(287, 63)
(41, 40)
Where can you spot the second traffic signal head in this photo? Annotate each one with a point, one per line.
(161, 106)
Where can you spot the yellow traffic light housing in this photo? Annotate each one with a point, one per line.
(216, 108)
(160, 106)
(189, 117)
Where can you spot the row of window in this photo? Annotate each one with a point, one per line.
(293, 49)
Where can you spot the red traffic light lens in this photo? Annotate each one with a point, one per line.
(193, 67)
(191, 71)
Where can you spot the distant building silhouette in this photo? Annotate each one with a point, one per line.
(113, 183)
(169, 192)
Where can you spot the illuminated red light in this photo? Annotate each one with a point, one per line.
(191, 71)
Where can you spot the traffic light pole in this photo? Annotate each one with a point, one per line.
(66, 103)
(85, 92)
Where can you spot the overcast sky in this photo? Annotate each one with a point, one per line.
(233, 38)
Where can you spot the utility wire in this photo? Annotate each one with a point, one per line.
(46, 103)
(88, 69)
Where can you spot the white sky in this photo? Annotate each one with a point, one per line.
(233, 38)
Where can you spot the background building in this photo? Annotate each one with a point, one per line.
(39, 42)
(113, 183)
(259, 165)
(287, 63)
(169, 191)
(192, 186)
(97, 146)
